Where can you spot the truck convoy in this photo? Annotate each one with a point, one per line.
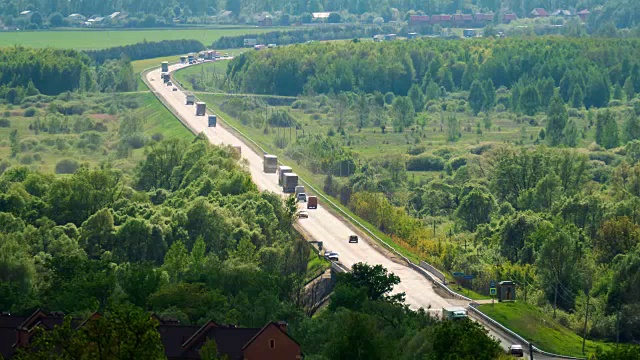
(191, 99)
(282, 169)
(289, 182)
(454, 313)
(270, 163)
(165, 66)
(201, 108)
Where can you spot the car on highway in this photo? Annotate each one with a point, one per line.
(516, 350)
(302, 214)
(332, 256)
(175, 89)
(302, 197)
(353, 239)
(169, 83)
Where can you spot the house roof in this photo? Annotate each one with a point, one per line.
(226, 13)
(26, 12)
(511, 16)
(263, 329)
(583, 12)
(539, 12)
(419, 18)
(561, 12)
(320, 15)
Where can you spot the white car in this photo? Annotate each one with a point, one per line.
(516, 350)
(332, 256)
(302, 214)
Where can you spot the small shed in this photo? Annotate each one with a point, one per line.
(506, 291)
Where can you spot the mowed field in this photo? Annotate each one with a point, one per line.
(100, 39)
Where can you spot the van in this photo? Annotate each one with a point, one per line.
(516, 350)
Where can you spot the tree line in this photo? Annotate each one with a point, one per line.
(530, 68)
(146, 50)
(301, 36)
(27, 72)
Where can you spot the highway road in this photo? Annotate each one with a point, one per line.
(321, 225)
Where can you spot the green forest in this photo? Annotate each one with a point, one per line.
(506, 159)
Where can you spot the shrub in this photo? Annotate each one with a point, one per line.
(157, 137)
(425, 163)
(26, 159)
(5, 123)
(605, 157)
(416, 150)
(67, 166)
(456, 163)
(37, 157)
(615, 103)
(30, 112)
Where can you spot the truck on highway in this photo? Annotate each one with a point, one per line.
(289, 182)
(299, 190)
(454, 313)
(270, 163)
(282, 169)
(165, 66)
(191, 57)
(213, 120)
(183, 59)
(191, 99)
(312, 202)
(164, 76)
(201, 108)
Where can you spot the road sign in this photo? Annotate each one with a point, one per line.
(458, 274)
(468, 277)
(492, 284)
(493, 291)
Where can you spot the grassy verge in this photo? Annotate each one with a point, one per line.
(316, 266)
(540, 328)
(100, 39)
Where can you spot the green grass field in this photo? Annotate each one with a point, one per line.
(540, 328)
(44, 150)
(100, 39)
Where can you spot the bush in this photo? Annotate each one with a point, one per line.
(67, 166)
(416, 150)
(456, 163)
(425, 163)
(157, 137)
(30, 112)
(26, 159)
(605, 157)
(5, 123)
(615, 103)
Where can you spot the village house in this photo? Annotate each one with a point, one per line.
(271, 342)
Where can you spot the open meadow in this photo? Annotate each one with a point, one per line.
(100, 39)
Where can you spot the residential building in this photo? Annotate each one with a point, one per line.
(562, 13)
(539, 12)
(271, 342)
(583, 14)
(509, 17)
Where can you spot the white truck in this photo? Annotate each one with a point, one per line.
(191, 99)
(289, 182)
(283, 169)
(270, 163)
(454, 313)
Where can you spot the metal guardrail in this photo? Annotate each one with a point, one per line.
(517, 336)
(342, 268)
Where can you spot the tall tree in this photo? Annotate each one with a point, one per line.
(529, 100)
(631, 127)
(477, 97)
(417, 97)
(556, 120)
(629, 89)
(475, 209)
(570, 134)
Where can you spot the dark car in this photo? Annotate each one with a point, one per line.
(353, 239)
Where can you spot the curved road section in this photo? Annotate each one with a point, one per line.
(321, 225)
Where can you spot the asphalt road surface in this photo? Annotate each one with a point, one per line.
(321, 224)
